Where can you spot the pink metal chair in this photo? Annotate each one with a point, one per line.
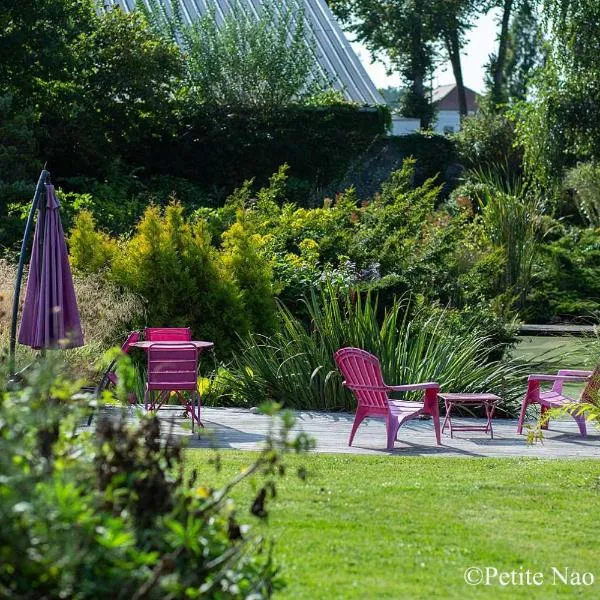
(109, 378)
(168, 334)
(132, 338)
(555, 398)
(363, 377)
(173, 368)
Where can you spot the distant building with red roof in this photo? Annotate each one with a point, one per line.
(445, 97)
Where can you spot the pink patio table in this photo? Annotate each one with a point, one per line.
(200, 346)
(489, 401)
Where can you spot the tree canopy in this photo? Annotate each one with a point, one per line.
(559, 126)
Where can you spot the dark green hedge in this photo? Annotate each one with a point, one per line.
(435, 155)
(220, 147)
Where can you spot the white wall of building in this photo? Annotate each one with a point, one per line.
(404, 126)
(448, 121)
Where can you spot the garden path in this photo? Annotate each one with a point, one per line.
(241, 429)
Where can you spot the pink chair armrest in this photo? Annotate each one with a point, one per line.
(539, 377)
(413, 387)
(575, 372)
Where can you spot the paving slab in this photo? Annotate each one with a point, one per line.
(241, 429)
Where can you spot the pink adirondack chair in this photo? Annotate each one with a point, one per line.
(173, 368)
(362, 373)
(168, 334)
(555, 398)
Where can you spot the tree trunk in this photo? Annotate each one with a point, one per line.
(497, 90)
(453, 49)
(419, 85)
(421, 101)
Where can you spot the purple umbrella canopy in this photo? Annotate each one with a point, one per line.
(50, 314)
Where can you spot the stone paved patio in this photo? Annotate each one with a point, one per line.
(235, 428)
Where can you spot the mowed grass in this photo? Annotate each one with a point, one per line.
(568, 351)
(556, 352)
(393, 527)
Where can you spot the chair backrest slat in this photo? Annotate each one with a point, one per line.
(134, 336)
(362, 369)
(168, 334)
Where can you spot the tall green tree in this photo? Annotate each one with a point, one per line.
(247, 59)
(453, 19)
(498, 61)
(526, 52)
(96, 81)
(559, 126)
(520, 51)
(414, 35)
(36, 42)
(403, 32)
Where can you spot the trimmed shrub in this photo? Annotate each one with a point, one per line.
(186, 281)
(224, 145)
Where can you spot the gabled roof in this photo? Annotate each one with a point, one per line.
(440, 92)
(335, 56)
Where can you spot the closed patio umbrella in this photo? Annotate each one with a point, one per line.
(50, 316)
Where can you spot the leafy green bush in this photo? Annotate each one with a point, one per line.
(172, 264)
(118, 95)
(399, 236)
(185, 280)
(295, 366)
(244, 258)
(110, 514)
(113, 114)
(435, 155)
(225, 145)
(566, 280)
(18, 166)
(250, 57)
(584, 182)
(487, 139)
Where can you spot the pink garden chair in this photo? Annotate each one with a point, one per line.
(168, 334)
(173, 368)
(109, 378)
(555, 398)
(132, 338)
(362, 373)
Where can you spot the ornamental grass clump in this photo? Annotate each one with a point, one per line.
(296, 367)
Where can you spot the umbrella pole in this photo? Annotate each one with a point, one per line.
(15, 309)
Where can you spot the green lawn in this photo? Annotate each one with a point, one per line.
(556, 352)
(392, 527)
(566, 351)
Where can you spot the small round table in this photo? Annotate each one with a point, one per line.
(489, 401)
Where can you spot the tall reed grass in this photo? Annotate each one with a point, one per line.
(511, 214)
(296, 366)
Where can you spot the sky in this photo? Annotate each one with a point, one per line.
(482, 42)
